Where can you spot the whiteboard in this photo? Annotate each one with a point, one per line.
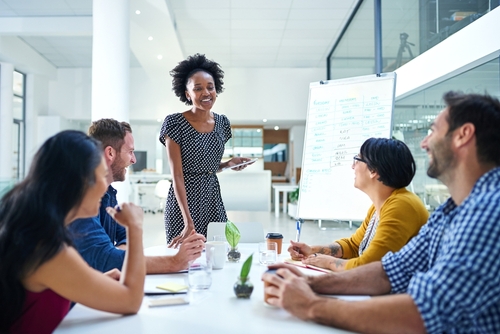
(341, 115)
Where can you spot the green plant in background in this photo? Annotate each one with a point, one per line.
(293, 197)
(232, 234)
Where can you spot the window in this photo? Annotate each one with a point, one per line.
(246, 142)
(19, 128)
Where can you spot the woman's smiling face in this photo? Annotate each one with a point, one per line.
(200, 89)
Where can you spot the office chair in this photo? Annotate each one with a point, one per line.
(250, 232)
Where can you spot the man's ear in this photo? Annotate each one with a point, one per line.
(464, 134)
(109, 153)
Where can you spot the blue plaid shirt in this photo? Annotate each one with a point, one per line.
(451, 269)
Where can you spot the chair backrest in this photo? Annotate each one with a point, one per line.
(250, 232)
(161, 189)
(215, 229)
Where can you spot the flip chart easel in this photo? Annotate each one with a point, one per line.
(341, 115)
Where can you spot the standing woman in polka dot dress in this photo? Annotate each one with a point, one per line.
(195, 141)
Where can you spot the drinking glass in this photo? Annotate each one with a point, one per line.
(268, 252)
(200, 272)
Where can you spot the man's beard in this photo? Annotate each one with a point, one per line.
(118, 170)
(442, 158)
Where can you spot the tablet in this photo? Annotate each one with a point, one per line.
(242, 164)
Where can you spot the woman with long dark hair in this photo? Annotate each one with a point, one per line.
(40, 273)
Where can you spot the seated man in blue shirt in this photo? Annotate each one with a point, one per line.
(100, 240)
(447, 278)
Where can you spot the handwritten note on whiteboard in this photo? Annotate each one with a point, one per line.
(341, 115)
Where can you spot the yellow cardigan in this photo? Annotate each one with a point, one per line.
(400, 219)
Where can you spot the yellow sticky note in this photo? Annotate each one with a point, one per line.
(171, 286)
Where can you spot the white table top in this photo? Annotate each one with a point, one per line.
(216, 310)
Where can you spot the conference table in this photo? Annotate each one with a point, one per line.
(216, 310)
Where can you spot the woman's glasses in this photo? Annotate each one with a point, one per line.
(357, 158)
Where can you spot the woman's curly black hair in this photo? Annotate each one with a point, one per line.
(186, 68)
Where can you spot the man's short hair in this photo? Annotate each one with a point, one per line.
(483, 111)
(110, 132)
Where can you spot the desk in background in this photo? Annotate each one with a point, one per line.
(143, 189)
(284, 188)
(216, 310)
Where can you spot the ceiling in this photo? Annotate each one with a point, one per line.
(237, 33)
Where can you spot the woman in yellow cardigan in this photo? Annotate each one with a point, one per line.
(382, 170)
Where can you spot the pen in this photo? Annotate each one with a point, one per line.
(299, 227)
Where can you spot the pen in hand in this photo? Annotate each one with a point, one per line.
(299, 228)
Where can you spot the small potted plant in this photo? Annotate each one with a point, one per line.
(293, 198)
(243, 287)
(233, 237)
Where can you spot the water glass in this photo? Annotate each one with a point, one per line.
(200, 272)
(268, 252)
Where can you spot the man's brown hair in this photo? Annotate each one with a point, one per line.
(110, 132)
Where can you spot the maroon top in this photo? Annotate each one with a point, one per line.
(42, 312)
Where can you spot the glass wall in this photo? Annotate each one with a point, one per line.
(440, 19)
(400, 33)
(414, 114)
(409, 28)
(354, 55)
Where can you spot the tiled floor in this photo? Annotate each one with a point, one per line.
(154, 232)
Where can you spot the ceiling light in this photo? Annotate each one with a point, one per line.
(276, 127)
(264, 120)
(150, 38)
(138, 12)
(258, 130)
(160, 57)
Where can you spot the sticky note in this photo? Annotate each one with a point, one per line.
(171, 286)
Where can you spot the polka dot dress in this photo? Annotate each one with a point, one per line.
(201, 154)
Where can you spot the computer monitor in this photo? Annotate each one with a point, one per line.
(142, 161)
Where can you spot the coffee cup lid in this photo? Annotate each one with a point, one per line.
(274, 236)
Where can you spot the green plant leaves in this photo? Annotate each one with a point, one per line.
(245, 268)
(232, 234)
(293, 197)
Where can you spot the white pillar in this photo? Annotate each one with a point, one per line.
(6, 120)
(110, 59)
(111, 67)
